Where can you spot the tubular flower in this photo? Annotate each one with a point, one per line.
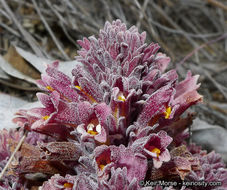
(39, 116)
(120, 157)
(54, 80)
(95, 125)
(44, 119)
(68, 182)
(95, 131)
(154, 146)
(118, 180)
(186, 94)
(58, 116)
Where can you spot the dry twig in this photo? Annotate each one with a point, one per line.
(12, 155)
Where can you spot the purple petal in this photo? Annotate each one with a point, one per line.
(155, 104)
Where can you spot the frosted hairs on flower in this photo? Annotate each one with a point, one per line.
(121, 114)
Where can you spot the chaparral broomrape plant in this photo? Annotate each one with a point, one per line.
(118, 121)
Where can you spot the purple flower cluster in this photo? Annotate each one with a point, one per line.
(121, 114)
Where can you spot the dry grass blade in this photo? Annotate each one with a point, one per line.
(62, 20)
(175, 25)
(26, 35)
(14, 32)
(201, 47)
(50, 31)
(218, 4)
(19, 87)
(216, 84)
